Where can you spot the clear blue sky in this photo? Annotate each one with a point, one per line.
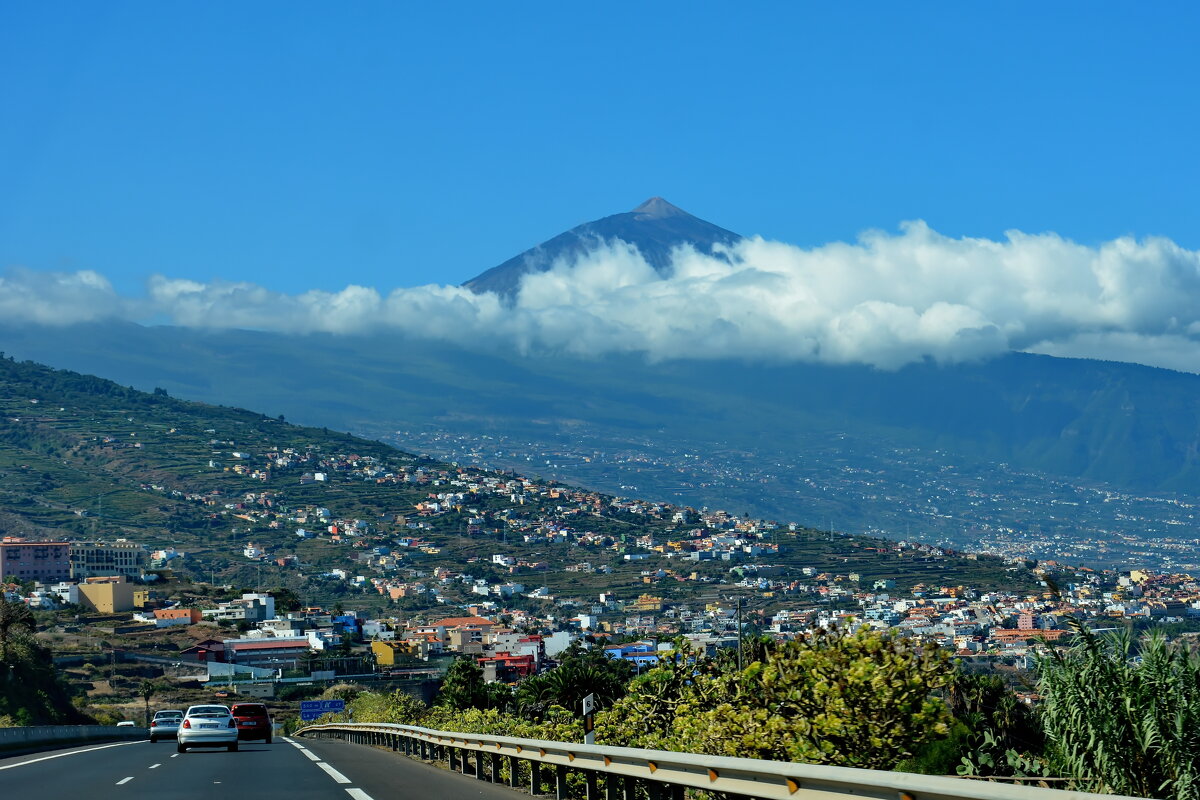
(310, 145)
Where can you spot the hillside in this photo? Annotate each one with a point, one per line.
(84, 457)
(788, 441)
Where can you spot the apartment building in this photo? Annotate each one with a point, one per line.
(122, 557)
(25, 560)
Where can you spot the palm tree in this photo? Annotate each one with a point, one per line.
(12, 617)
(147, 690)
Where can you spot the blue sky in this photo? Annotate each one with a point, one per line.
(312, 145)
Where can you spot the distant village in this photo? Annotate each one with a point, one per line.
(117, 578)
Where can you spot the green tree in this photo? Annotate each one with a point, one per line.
(580, 672)
(862, 700)
(13, 618)
(147, 689)
(1122, 719)
(463, 686)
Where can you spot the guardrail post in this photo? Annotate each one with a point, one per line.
(424, 750)
(479, 765)
(560, 783)
(512, 771)
(654, 790)
(494, 768)
(592, 788)
(535, 778)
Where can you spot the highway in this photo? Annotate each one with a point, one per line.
(295, 769)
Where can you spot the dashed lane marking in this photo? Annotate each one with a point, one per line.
(311, 755)
(124, 780)
(64, 755)
(359, 794)
(155, 766)
(333, 773)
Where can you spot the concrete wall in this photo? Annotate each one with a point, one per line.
(47, 737)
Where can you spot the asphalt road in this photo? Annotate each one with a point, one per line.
(299, 769)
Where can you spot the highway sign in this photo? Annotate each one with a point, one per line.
(312, 709)
(324, 706)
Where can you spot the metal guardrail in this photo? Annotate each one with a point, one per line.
(666, 774)
(40, 737)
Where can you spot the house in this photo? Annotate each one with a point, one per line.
(506, 667)
(170, 617)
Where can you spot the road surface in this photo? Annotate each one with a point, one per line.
(289, 769)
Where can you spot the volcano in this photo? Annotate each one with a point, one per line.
(655, 228)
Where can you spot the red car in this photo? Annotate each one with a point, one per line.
(253, 722)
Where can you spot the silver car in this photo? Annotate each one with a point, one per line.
(208, 726)
(165, 725)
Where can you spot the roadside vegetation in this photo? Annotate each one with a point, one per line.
(1115, 715)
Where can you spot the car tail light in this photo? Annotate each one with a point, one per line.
(187, 723)
(153, 724)
(232, 722)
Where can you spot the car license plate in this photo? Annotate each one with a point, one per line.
(208, 725)
(250, 722)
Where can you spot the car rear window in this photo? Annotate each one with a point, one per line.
(208, 711)
(254, 710)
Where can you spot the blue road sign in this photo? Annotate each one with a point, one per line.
(313, 709)
(323, 706)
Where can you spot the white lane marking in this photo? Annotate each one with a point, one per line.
(311, 755)
(72, 753)
(333, 773)
(359, 794)
(124, 780)
(155, 766)
(175, 755)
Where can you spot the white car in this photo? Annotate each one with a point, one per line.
(165, 725)
(208, 726)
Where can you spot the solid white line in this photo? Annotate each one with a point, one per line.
(124, 780)
(155, 766)
(311, 755)
(72, 753)
(359, 794)
(333, 773)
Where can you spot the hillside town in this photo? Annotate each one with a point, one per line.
(499, 608)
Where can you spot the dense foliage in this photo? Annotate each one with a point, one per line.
(1124, 717)
(30, 690)
(1117, 715)
(852, 699)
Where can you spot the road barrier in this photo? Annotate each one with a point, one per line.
(43, 737)
(615, 773)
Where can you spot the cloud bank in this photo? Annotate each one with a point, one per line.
(886, 300)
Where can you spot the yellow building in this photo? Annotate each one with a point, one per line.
(111, 595)
(386, 652)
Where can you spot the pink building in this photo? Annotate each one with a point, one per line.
(46, 562)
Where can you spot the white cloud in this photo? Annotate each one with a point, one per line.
(885, 300)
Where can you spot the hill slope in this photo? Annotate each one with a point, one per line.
(83, 457)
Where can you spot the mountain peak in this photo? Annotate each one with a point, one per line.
(655, 228)
(657, 208)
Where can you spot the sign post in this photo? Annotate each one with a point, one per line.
(589, 719)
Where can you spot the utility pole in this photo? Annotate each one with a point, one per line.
(739, 631)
